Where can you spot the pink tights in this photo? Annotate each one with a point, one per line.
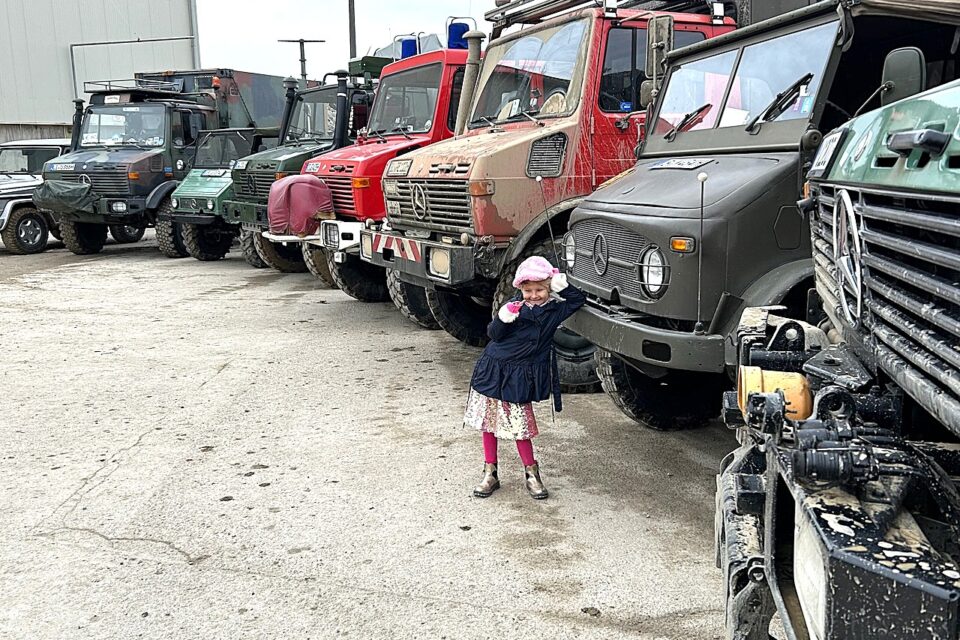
(524, 448)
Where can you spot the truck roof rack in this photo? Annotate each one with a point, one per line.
(133, 84)
(509, 13)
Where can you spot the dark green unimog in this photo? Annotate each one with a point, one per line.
(706, 223)
(840, 511)
(199, 199)
(135, 141)
(316, 120)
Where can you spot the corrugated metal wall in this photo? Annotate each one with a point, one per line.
(36, 75)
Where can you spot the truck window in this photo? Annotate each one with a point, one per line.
(407, 100)
(623, 65)
(25, 160)
(455, 92)
(768, 68)
(693, 85)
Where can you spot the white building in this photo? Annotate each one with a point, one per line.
(49, 48)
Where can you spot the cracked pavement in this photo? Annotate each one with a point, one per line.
(207, 450)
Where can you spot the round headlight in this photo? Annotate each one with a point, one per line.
(653, 272)
(210, 204)
(174, 202)
(569, 250)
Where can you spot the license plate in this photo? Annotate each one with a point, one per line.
(62, 167)
(682, 163)
(393, 208)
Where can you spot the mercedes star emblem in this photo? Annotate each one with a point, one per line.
(847, 257)
(418, 199)
(85, 179)
(251, 183)
(601, 255)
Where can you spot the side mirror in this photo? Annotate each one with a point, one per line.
(906, 71)
(659, 42)
(646, 93)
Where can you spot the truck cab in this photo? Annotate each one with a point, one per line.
(198, 201)
(135, 142)
(552, 116)
(840, 511)
(23, 228)
(706, 223)
(416, 106)
(318, 119)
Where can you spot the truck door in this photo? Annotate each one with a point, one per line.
(186, 126)
(624, 60)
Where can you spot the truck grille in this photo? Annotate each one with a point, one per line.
(623, 250)
(909, 297)
(341, 188)
(105, 182)
(445, 205)
(251, 184)
(546, 156)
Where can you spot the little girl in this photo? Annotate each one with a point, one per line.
(519, 367)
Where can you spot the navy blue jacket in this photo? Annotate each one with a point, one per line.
(520, 364)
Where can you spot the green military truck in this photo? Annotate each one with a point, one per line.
(840, 511)
(317, 120)
(198, 202)
(135, 141)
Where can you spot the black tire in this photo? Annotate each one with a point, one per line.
(26, 231)
(249, 251)
(411, 300)
(316, 260)
(460, 315)
(206, 242)
(126, 234)
(169, 233)
(679, 400)
(285, 258)
(360, 280)
(575, 354)
(83, 238)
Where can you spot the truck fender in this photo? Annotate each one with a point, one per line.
(535, 226)
(774, 285)
(159, 193)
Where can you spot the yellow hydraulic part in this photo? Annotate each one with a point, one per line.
(794, 386)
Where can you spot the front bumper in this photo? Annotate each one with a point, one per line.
(249, 214)
(339, 235)
(104, 213)
(624, 335)
(190, 217)
(425, 260)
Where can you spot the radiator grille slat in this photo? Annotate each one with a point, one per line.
(446, 205)
(252, 184)
(102, 182)
(624, 248)
(341, 188)
(910, 284)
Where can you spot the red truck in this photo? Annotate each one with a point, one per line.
(555, 112)
(415, 106)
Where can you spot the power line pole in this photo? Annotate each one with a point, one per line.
(303, 57)
(353, 29)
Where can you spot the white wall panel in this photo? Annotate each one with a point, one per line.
(36, 78)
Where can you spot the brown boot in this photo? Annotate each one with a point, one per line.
(489, 483)
(534, 483)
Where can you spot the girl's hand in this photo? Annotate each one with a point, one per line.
(559, 282)
(509, 312)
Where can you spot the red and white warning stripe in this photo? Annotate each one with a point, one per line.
(403, 247)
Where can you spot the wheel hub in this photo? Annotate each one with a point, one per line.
(30, 232)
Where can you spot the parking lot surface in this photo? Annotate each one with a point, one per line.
(210, 450)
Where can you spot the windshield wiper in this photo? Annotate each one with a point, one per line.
(403, 131)
(379, 134)
(780, 103)
(685, 120)
(528, 114)
(484, 119)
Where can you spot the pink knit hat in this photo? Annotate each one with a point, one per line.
(534, 269)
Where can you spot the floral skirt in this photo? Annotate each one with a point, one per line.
(505, 420)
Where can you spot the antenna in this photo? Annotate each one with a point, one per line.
(553, 239)
(698, 327)
(303, 58)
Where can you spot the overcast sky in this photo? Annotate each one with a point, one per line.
(243, 34)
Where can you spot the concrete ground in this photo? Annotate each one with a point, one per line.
(207, 450)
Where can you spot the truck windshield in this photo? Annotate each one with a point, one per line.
(537, 74)
(122, 125)
(695, 91)
(25, 160)
(406, 101)
(222, 149)
(314, 115)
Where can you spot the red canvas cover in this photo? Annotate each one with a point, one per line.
(297, 204)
